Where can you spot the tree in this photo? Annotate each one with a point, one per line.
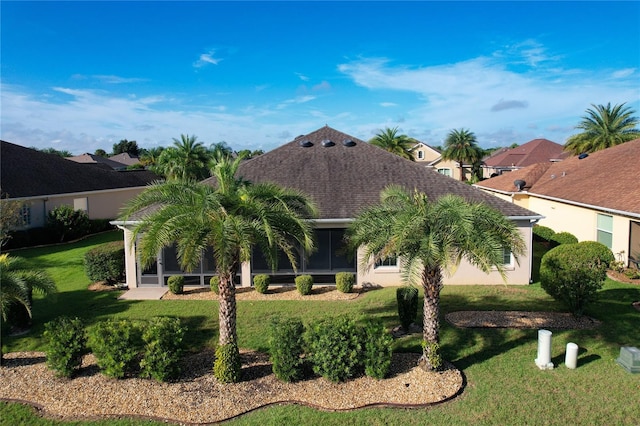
(461, 146)
(149, 157)
(124, 145)
(233, 216)
(389, 140)
(100, 152)
(9, 217)
(430, 237)
(61, 153)
(220, 149)
(604, 127)
(186, 159)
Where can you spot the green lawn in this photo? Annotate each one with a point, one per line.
(503, 384)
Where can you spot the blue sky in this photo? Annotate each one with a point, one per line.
(83, 75)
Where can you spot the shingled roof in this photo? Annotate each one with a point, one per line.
(532, 152)
(608, 179)
(87, 158)
(343, 174)
(26, 172)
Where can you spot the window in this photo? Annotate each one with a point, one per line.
(604, 229)
(421, 155)
(25, 215)
(506, 256)
(446, 172)
(81, 204)
(389, 261)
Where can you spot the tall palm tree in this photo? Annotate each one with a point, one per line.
(429, 238)
(389, 140)
(186, 159)
(604, 127)
(232, 216)
(461, 146)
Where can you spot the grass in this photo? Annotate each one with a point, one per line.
(503, 384)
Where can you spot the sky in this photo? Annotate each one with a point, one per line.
(79, 76)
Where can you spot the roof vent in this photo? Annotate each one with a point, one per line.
(583, 156)
(348, 142)
(327, 143)
(306, 143)
(519, 183)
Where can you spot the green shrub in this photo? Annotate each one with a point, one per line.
(563, 238)
(214, 284)
(573, 273)
(67, 223)
(286, 346)
(105, 262)
(377, 350)
(433, 354)
(543, 233)
(116, 343)
(407, 298)
(261, 283)
(334, 346)
(227, 365)
(163, 347)
(66, 344)
(304, 284)
(632, 274)
(176, 284)
(345, 281)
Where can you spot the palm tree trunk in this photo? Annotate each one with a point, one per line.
(227, 310)
(432, 284)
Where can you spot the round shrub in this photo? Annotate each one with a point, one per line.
(543, 233)
(377, 350)
(573, 273)
(116, 345)
(345, 281)
(563, 238)
(66, 344)
(214, 284)
(105, 262)
(304, 284)
(407, 298)
(163, 347)
(227, 365)
(176, 284)
(286, 347)
(261, 283)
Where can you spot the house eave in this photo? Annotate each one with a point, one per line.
(588, 206)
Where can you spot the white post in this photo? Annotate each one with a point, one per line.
(571, 358)
(543, 361)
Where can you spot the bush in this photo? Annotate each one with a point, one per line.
(407, 298)
(105, 262)
(66, 344)
(116, 345)
(162, 337)
(226, 367)
(214, 284)
(377, 350)
(176, 284)
(67, 223)
(304, 284)
(286, 346)
(563, 238)
(261, 283)
(573, 273)
(334, 348)
(543, 233)
(345, 281)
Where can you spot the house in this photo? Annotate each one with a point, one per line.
(432, 159)
(98, 160)
(44, 181)
(125, 158)
(596, 197)
(343, 175)
(532, 152)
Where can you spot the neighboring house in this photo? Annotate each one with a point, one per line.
(98, 160)
(44, 181)
(432, 158)
(125, 158)
(595, 197)
(532, 152)
(342, 175)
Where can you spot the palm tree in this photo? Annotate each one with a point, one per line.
(149, 157)
(604, 127)
(389, 140)
(232, 216)
(461, 146)
(186, 159)
(17, 283)
(430, 237)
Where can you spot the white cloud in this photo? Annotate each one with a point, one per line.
(627, 72)
(388, 104)
(207, 59)
(302, 77)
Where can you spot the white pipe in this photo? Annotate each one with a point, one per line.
(571, 358)
(543, 361)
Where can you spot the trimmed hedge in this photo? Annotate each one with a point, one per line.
(543, 233)
(162, 337)
(227, 365)
(261, 283)
(345, 281)
(286, 347)
(116, 345)
(377, 350)
(66, 344)
(176, 284)
(304, 284)
(105, 262)
(564, 238)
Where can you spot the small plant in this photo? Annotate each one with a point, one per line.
(345, 281)
(162, 337)
(377, 350)
(286, 346)
(334, 348)
(261, 283)
(67, 223)
(304, 284)
(543, 233)
(176, 284)
(407, 298)
(227, 365)
(617, 265)
(116, 343)
(564, 238)
(105, 262)
(66, 344)
(214, 284)
(431, 350)
(632, 274)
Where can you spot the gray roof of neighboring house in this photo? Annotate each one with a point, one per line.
(26, 172)
(342, 180)
(125, 158)
(96, 159)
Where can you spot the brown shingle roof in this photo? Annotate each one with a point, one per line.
(125, 158)
(342, 180)
(96, 159)
(532, 152)
(26, 172)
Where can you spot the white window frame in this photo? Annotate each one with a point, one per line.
(25, 215)
(604, 228)
(420, 155)
(446, 171)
